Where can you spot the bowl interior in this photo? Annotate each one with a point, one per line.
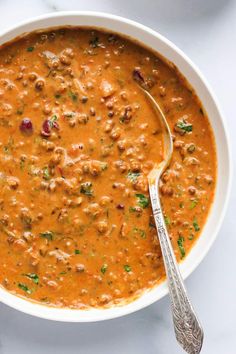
(188, 69)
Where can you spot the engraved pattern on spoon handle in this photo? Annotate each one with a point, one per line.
(188, 330)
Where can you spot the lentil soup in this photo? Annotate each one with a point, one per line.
(77, 141)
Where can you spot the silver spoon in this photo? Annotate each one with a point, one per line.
(188, 330)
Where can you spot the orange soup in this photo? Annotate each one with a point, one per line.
(77, 141)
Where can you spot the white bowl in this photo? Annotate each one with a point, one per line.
(188, 69)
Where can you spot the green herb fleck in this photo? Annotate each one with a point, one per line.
(167, 221)
(181, 205)
(132, 209)
(143, 201)
(73, 96)
(32, 276)
(193, 204)
(195, 225)
(49, 235)
(86, 188)
(52, 120)
(127, 268)
(104, 268)
(57, 95)
(24, 288)
(133, 176)
(141, 232)
(46, 173)
(185, 126)
(30, 49)
(77, 251)
(191, 237)
(181, 246)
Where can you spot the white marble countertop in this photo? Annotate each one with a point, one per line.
(206, 31)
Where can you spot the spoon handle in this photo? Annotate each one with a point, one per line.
(188, 330)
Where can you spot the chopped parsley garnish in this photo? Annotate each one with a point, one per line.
(127, 268)
(167, 221)
(132, 176)
(24, 288)
(32, 276)
(30, 49)
(73, 96)
(191, 237)
(136, 209)
(181, 205)
(195, 225)
(193, 203)
(94, 42)
(49, 235)
(52, 121)
(86, 188)
(46, 173)
(77, 252)
(104, 268)
(132, 209)
(181, 246)
(57, 95)
(143, 201)
(141, 232)
(185, 126)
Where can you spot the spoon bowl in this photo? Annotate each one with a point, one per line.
(168, 142)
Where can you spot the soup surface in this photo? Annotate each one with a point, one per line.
(77, 141)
